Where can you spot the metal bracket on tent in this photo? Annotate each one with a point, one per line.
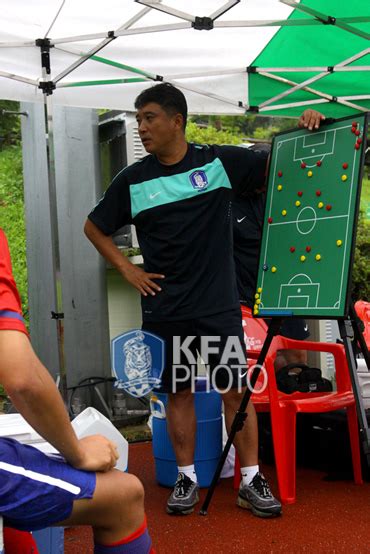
(328, 21)
(330, 69)
(55, 315)
(45, 45)
(253, 109)
(333, 99)
(47, 87)
(202, 24)
(252, 69)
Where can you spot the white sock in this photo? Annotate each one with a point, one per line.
(248, 473)
(189, 471)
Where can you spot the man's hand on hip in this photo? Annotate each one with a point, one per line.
(142, 280)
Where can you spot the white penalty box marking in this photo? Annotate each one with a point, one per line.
(315, 145)
(299, 287)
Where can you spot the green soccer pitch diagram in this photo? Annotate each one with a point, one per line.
(310, 219)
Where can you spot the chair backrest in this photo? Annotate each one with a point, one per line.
(255, 331)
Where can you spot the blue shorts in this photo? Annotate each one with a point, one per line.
(37, 491)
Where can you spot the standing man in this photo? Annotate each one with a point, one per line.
(82, 488)
(179, 198)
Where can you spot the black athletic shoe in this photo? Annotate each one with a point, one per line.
(184, 496)
(258, 497)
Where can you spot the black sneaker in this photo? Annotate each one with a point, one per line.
(257, 497)
(184, 496)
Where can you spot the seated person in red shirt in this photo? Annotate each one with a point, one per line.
(79, 488)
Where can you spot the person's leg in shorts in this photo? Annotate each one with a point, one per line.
(177, 379)
(296, 329)
(228, 371)
(37, 491)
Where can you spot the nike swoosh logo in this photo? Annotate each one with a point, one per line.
(306, 327)
(240, 220)
(151, 196)
(243, 374)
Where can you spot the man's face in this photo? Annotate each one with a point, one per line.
(157, 129)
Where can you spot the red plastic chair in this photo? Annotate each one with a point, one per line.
(284, 407)
(19, 542)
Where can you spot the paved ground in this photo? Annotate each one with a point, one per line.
(328, 518)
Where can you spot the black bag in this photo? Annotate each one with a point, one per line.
(310, 379)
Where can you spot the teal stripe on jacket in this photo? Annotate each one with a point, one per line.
(174, 188)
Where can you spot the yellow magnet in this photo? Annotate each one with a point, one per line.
(344, 177)
(280, 187)
(297, 203)
(256, 295)
(259, 289)
(309, 173)
(318, 257)
(284, 212)
(339, 243)
(258, 301)
(303, 258)
(255, 312)
(273, 269)
(320, 205)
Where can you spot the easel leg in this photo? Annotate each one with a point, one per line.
(346, 333)
(241, 415)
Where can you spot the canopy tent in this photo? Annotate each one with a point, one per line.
(102, 55)
(228, 56)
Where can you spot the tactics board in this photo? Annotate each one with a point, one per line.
(310, 219)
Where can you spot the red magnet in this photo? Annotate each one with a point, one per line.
(280, 173)
(354, 123)
(308, 248)
(345, 165)
(357, 146)
(328, 207)
(353, 130)
(357, 132)
(270, 220)
(318, 193)
(292, 249)
(359, 140)
(319, 163)
(300, 193)
(303, 165)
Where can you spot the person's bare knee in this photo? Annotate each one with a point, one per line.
(289, 356)
(116, 509)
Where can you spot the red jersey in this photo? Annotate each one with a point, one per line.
(10, 302)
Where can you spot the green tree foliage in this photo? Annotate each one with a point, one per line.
(210, 135)
(361, 266)
(12, 219)
(10, 125)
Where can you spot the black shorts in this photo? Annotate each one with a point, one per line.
(226, 364)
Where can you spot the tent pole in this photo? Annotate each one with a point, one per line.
(57, 312)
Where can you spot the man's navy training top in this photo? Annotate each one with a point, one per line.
(183, 217)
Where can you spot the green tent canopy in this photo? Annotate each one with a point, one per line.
(330, 53)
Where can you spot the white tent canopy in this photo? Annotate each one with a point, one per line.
(151, 40)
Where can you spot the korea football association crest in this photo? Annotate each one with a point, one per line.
(138, 362)
(199, 180)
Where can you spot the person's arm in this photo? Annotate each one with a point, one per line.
(136, 276)
(35, 396)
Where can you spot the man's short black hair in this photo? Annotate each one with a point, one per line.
(170, 98)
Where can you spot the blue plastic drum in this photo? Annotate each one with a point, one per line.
(208, 446)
